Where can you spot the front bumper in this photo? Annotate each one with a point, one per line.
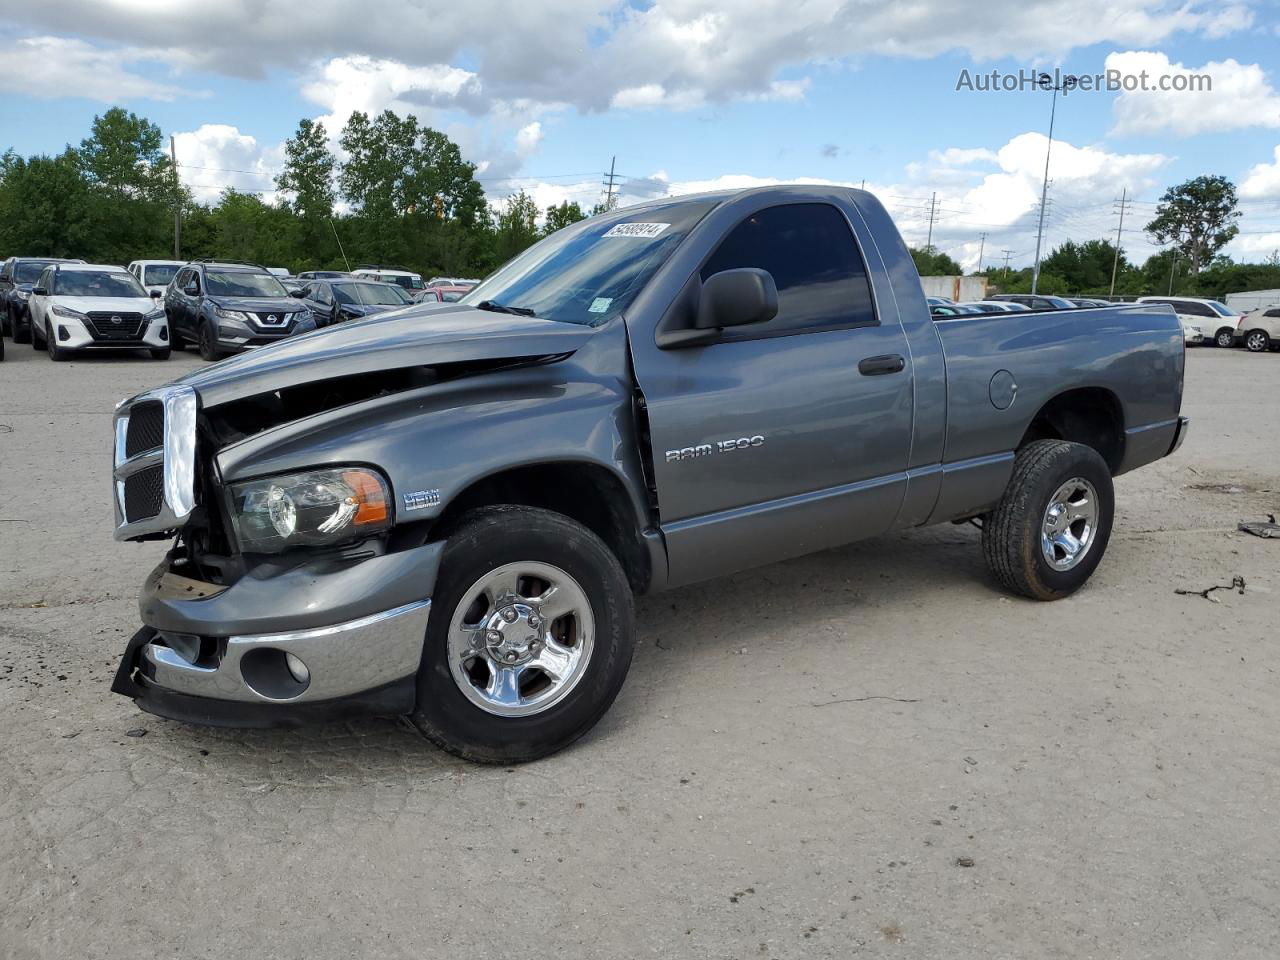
(154, 336)
(311, 643)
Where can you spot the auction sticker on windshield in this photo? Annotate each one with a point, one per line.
(644, 230)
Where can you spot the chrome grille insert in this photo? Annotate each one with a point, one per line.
(155, 462)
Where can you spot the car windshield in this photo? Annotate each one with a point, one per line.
(158, 273)
(370, 294)
(402, 280)
(96, 283)
(1222, 309)
(28, 271)
(591, 272)
(240, 283)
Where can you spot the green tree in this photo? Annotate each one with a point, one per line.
(125, 154)
(1198, 217)
(308, 171)
(46, 207)
(559, 217)
(1086, 267)
(515, 226)
(933, 263)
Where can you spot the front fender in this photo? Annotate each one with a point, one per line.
(433, 442)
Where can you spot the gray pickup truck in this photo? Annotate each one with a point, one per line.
(444, 512)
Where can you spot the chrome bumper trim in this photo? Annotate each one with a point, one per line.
(343, 659)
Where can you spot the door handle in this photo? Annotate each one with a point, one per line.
(878, 366)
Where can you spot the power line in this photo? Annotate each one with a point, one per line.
(1115, 264)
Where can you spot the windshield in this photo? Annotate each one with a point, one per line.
(1222, 309)
(591, 272)
(402, 280)
(29, 271)
(370, 294)
(96, 283)
(159, 273)
(240, 284)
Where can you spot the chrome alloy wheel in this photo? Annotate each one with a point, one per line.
(1066, 533)
(520, 639)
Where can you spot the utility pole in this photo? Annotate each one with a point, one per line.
(982, 246)
(1045, 82)
(933, 208)
(177, 202)
(1172, 267)
(1007, 255)
(1115, 264)
(608, 200)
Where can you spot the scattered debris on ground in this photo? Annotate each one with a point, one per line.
(1268, 531)
(964, 861)
(1236, 584)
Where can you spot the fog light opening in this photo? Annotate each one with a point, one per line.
(164, 334)
(297, 669)
(63, 333)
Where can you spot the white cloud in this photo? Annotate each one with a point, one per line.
(344, 85)
(49, 67)
(1263, 181)
(216, 156)
(1240, 96)
(528, 137)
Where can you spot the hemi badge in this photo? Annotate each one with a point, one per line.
(421, 499)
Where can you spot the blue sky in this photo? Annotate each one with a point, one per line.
(693, 94)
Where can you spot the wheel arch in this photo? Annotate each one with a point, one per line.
(587, 492)
(1092, 416)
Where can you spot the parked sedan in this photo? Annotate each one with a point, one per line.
(994, 306)
(443, 294)
(1259, 330)
(332, 301)
(1034, 301)
(93, 306)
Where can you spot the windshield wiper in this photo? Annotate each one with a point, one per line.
(496, 307)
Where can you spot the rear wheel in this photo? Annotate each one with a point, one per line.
(1225, 338)
(529, 640)
(1257, 341)
(1049, 531)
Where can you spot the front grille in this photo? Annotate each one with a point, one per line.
(274, 320)
(116, 326)
(146, 428)
(144, 494)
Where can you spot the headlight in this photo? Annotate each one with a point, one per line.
(305, 324)
(22, 294)
(316, 508)
(231, 314)
(303, 314)
(155, 315)
(61, 311)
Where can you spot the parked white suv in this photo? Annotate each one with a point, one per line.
(1212, 321)
(398, 275)
(94, 306)
(1259, 330)
(156, 274)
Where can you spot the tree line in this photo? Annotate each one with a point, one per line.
(403, 194)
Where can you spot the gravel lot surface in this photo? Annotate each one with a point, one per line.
(870, 751)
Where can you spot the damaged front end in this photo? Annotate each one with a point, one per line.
(279, 636)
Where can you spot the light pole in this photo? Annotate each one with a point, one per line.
(1045, 82)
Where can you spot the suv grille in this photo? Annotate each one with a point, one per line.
(116, 326)
(146, 428)
(144, 494)
(274, 320)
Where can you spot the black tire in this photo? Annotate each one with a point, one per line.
(56, 353)
(160, 353)
(1225, 337)
(21, 331)
(5, 324)
(175, 338)
(1, 349)
(1257, 341)
(484, 540)
(207, 342)
(1011, 533)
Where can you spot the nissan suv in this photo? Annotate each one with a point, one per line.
(17, 276)
(230, 306)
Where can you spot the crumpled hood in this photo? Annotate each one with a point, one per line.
(408, 337)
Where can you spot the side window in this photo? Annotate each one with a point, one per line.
(809, 250)
(1200, 310)
(1272, 313)
(323, 294)
(46, 280)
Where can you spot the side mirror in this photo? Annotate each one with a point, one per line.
(157, 294)
(39, 292)
(734, 298)
(299, 293)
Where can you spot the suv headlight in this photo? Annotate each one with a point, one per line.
(61, 311)
(316, 508)
(231, 315)
(157, 314)
(22, 294)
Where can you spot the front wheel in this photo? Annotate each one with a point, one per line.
(56, 353)
(207, 341)
(1257, 341)
(529, 640)
(21, 331)
(1049, 531)
(1225, 338)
